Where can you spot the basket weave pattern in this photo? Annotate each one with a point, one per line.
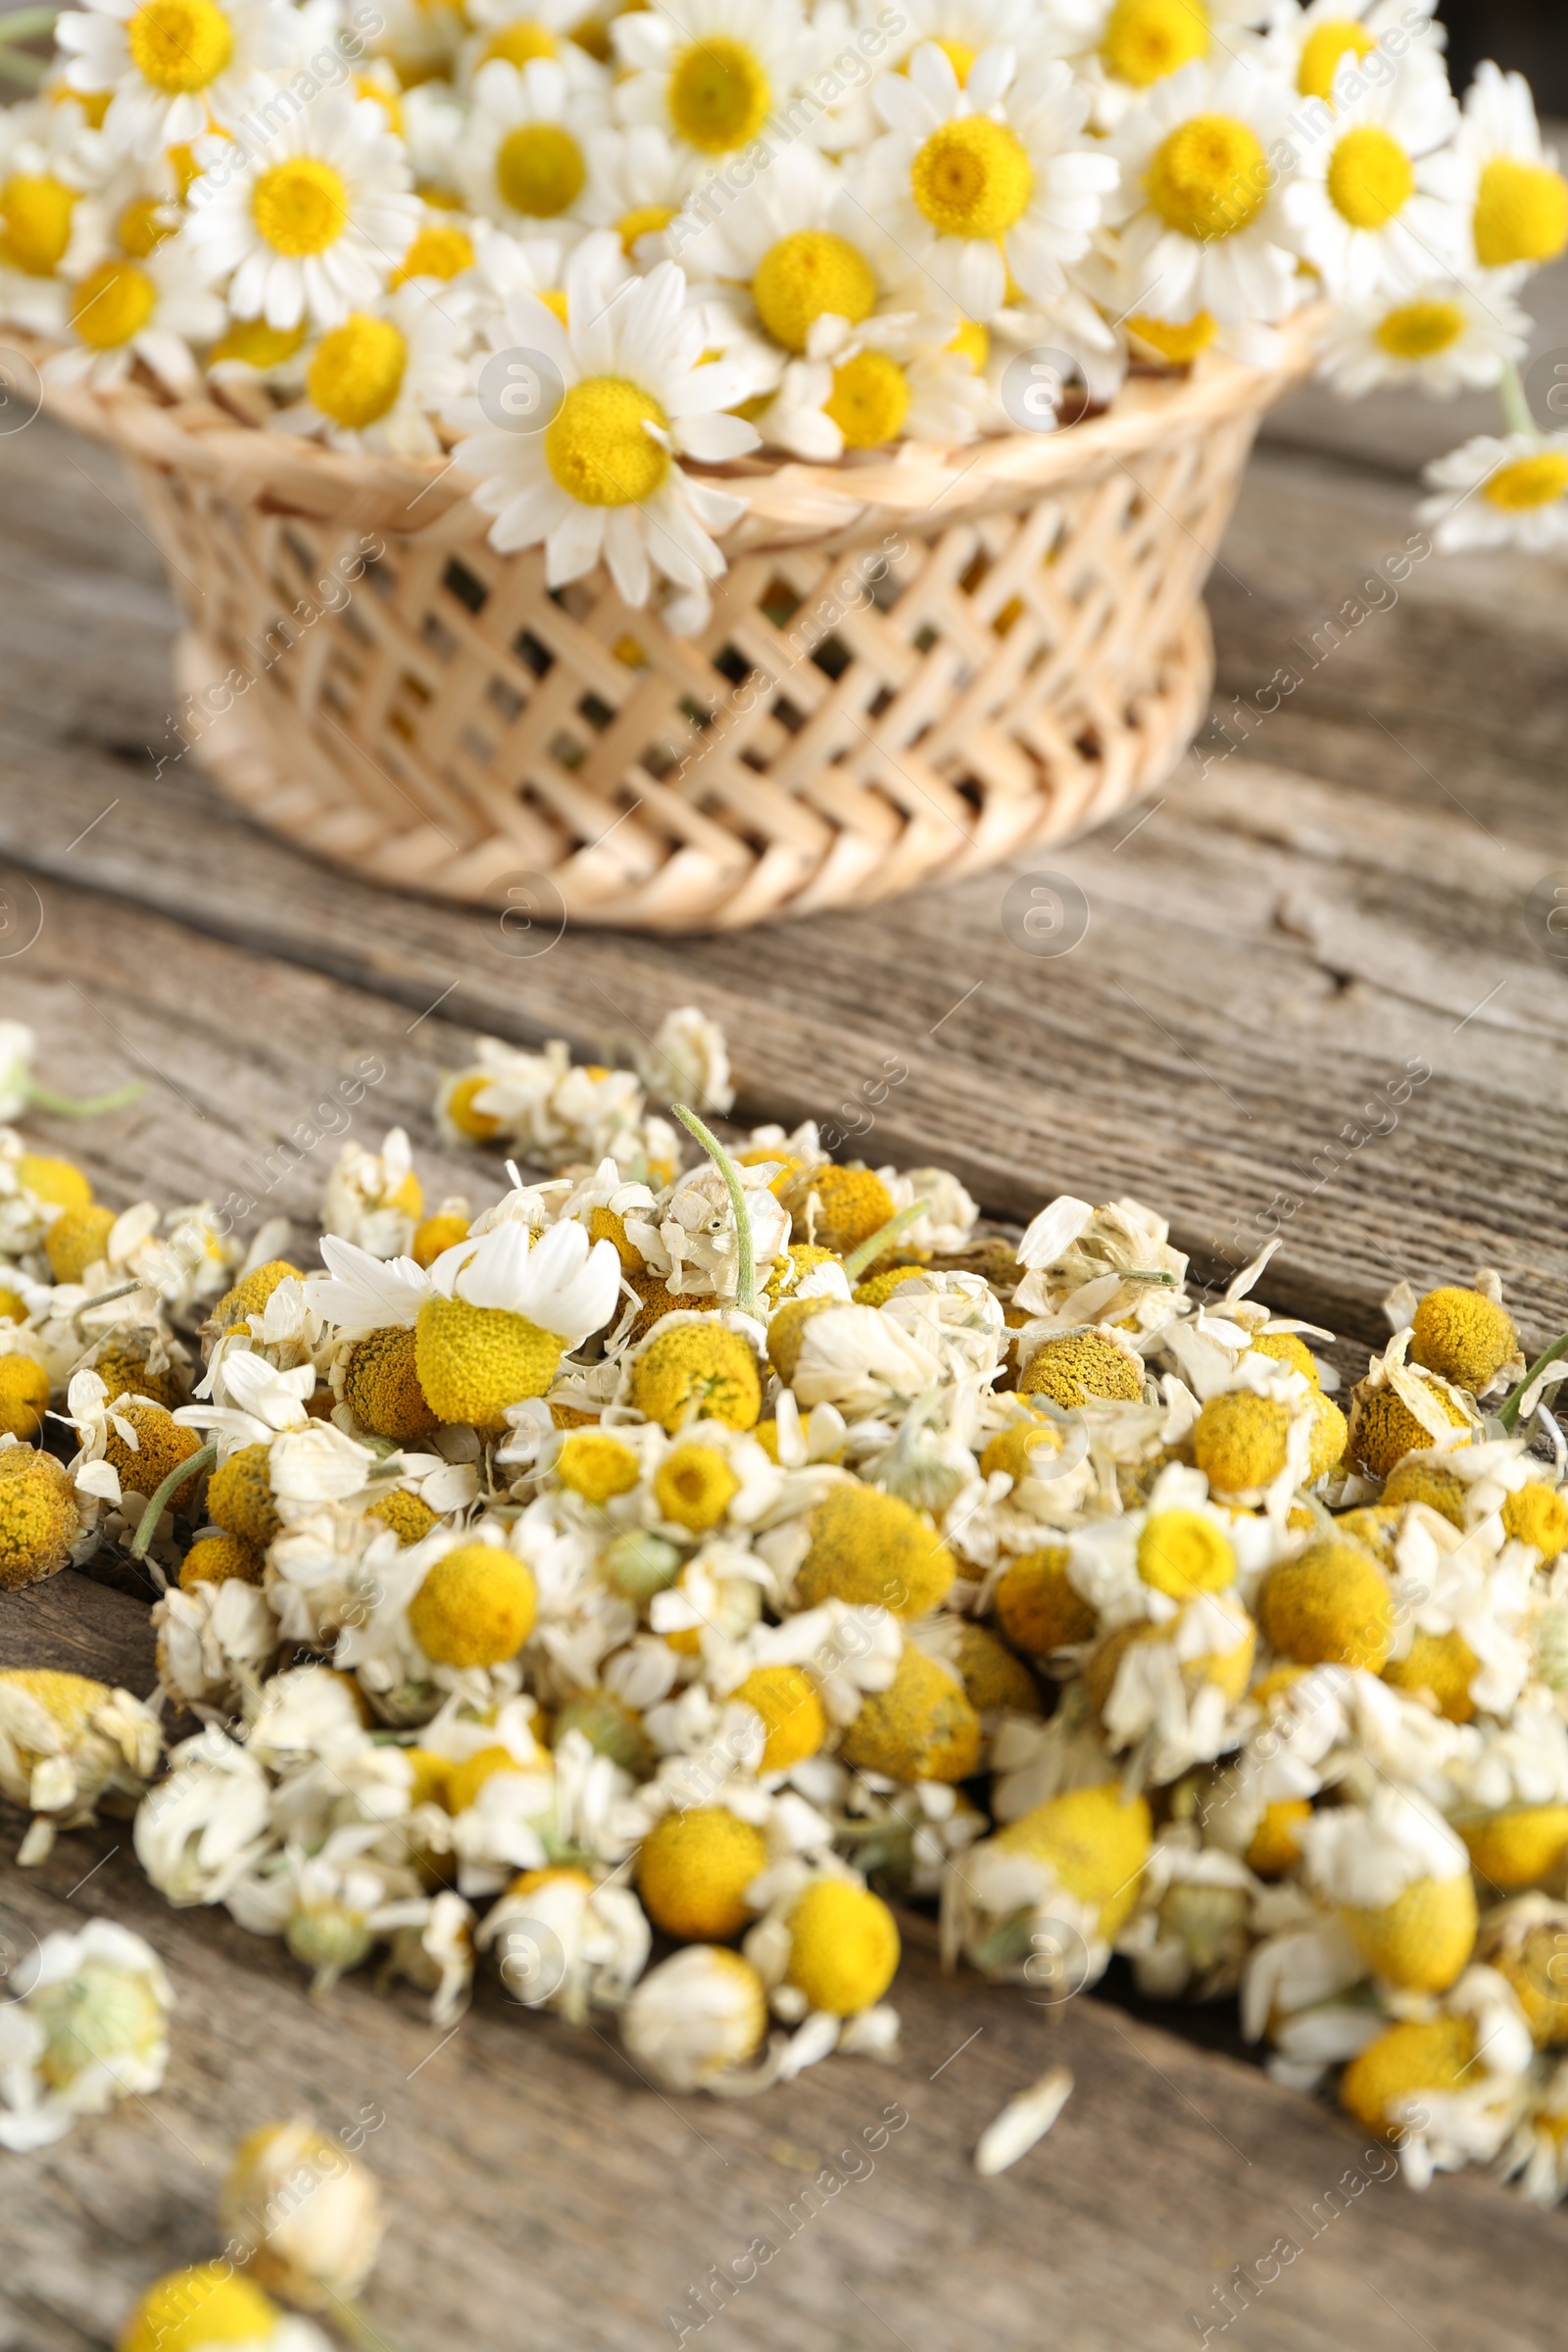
(914, 669)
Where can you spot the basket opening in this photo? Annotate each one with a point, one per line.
(506, 700)
(832, 656)
(528, 648)
(434, 633)
(778, 601)
(566, 749)
(733, 663)
(465, 586)
(596, 712)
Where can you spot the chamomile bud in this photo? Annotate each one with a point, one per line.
(697, 1371)
(38, 1519)
(873, 1551)
(308, 2217)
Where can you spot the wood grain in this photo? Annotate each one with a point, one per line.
(1265, 952)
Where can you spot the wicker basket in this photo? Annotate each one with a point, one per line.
(915, 667)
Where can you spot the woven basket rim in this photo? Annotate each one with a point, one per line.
(788, 501)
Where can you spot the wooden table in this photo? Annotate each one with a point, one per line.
(1271, 944)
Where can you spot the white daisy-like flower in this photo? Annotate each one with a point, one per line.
(715, 72)
(1199, 210)
(1444, 339)
(520, 31)
(564, 1941)
(1312, 45)
(311, 225)
(177, 67)
(602, 481)
(523, 158)
(88, 2024)
(638, 182)
(560, 1284)
(1122, 48)
(1510, 492)
(990, 183)
(1504, 178)
(1366, 200)
(151, 310)
(375, 382)
(48, 232)
(421, 37)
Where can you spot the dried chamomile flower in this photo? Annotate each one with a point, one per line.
(565, 1940)
(88, 2024)
(307, 2217)
(38, 1513)
(210, 2304)
(66, 1743)
(697, 2021)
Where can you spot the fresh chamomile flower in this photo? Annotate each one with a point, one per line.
(1444, 339)
(602, 481)
(212, 2304)
(861, 388)
(1366, 199)
(151, 310)
(1313, 45)
(88, 2024)
(492, 1316)
(1500, 491)
(523, 160)
(311, 224)
(639, 181)
(47, 232)
(374, 381)
(176, 68)
(520, 31)
(1198, 210)
(1124, 47)
(988, 184)
(1507, 184)
(308, 2217)
(714, 74)
(793, 248)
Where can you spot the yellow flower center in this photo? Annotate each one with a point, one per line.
(181, 44)
(870, 399)
(695, 1487)
(807, 275)
(1529, 482)
(1208, 178)
(209, 2305)
(111, 304)
(300, 207)
(187, 170)
(972, 179)
(1371, 179)
(554, 299)
(598, 445)
(719, 94)
(1521, 214)
(1181, 1552)
(358, 370)
(440, 251)
(475, 1607)
(972, 342)
(140, 229)
(1322, 52)
(644, 220)
(1147, 39)
(257, 344)
(1180, 345)
(1418, 330)
(520, 42)
(34, 223)
(540, 169)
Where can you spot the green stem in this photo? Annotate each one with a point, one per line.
(122, 1291)
(1510, 1414)
(44, 1097)
(744, 1272)
(23, 23)
(1511, 398)
(192, 1467)
(867, 1253)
